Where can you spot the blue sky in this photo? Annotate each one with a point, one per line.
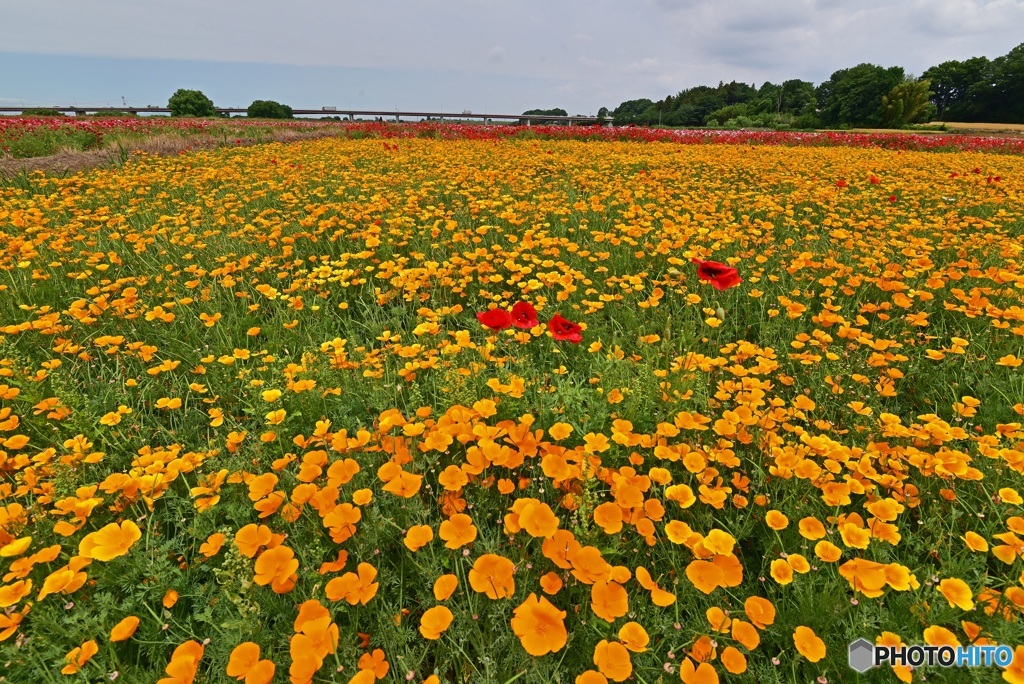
(492, 56)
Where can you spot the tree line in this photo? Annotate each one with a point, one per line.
(194, 103)
(866, 95)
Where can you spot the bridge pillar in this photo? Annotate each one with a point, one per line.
(529, 122)
(398, 119)
(351, 117)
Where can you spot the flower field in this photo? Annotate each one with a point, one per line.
(512, 409)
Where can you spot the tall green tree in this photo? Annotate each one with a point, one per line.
(797, 97)
(952, 84)
(907, 103)
(269, 109)
(190, 103)
(1004, 98)
(854, 96)
(631, 111)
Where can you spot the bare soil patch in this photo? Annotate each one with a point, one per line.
(1001, 128)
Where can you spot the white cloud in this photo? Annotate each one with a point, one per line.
(643, 48)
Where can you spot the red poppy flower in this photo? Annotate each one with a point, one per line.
(561, 329)
(495, 319)
(722, 277)
(524, 315)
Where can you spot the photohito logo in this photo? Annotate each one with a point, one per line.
(864, 655)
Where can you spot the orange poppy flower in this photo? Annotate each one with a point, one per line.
(354, 588)
(66, 580)
(79, 656)
(811, 528)
(335, 565)
(124, 629)
(435, 621)
(609, 517)
(538, 520)
(798, 563)
(184, 663)
(551, 583)
(591, 677)
(704, 575)
(275, 567)
(110, 542)
(719, 542)
(659, 596)
(405, 485)
(245, 663)
(940, 636)
(867, 577)
(250, 538)
(417, 537)
(717, 618)
(760, 611)
(492, 575)
(612, 659)
(457, 531)
(539, 626)
(375, 662)
(827, 551)
(734, 661)
(732, 569)
(957, 593)
(341, 521)
(559, 547)
(702, 673)
(808, 644)
(634, 637)
(776, 520)
(445, 586)
(608, 600)
(1014, 673)
(211, 547)
(452, 478)
(744, 632)
(975, 542)
(781, 571)
(589, 567)
(363, 677)
(170, 598)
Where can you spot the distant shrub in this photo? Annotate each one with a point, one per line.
(268, 109)
(42, 112)
(190, 103)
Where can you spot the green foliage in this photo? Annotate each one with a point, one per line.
(42, 112)
(545, 112)
(854, 96)
(1004, 96)
(976, 89)
(629, 112)
(44, 142)
(190, 103)
(954, 91)
(907, 103)
(269, 109)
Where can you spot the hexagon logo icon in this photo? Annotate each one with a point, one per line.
(862, 655)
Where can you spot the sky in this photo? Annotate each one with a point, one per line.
(485, 56)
